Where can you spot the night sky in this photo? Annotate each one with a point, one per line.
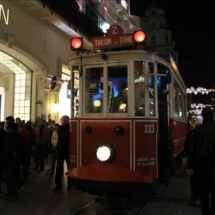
(192, 23)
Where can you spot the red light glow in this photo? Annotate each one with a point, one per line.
(139, 36)
(76, 43)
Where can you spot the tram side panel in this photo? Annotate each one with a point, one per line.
(178, 131)
(74, 143)
(145, 135)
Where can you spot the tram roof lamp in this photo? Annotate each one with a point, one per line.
(139, 36)
(104, 56)
(76, 44)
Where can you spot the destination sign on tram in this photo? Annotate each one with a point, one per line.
(114, 38)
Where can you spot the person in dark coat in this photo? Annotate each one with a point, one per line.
(62, 153)
(42, 139)
(13, 148)
(2, 134)
(25, 158)
(193, 178)
(201, 160)
(8, 120)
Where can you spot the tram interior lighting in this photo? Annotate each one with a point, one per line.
(122, 106)
(138, 80)
(97, 103)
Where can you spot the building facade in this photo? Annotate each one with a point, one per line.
(34, 49)
(159, 36)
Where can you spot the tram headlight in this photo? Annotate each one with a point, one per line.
(105, 152)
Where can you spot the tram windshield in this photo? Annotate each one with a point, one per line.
(94, 90)
(117, 89)
(141, 89)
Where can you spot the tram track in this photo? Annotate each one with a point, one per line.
(84, 208)
(64, 198)
(132, 205)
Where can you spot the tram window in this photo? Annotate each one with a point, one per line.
(139, 88)
(93, 90)
(117, 89)
(181, 104)
(75, 92)
(151, 90)
(176, 99)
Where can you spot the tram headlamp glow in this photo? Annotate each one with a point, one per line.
(103, 153)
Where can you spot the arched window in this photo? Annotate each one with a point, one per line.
(153, 40)
(167, 39)
(153, 26)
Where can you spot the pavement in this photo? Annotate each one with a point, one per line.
(174, 199)
(37, 198)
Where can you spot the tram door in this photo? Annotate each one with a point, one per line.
(163, 144)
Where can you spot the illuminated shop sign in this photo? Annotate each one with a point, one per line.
(4, 15)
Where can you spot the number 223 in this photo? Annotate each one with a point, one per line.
(149, 128)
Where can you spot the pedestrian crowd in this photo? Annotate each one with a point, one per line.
(24, 144)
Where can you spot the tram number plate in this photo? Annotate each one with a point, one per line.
(149, 128)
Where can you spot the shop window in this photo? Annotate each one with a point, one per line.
(22, 96)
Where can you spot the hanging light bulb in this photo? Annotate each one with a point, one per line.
(55, 107)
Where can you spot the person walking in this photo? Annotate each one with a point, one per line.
(8, 120)
(42, 139)
(13, 148)
(62, 153)
(54, 142)
(25, 157)
(2, 134)
(201, 160)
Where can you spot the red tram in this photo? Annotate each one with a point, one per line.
(128, 122)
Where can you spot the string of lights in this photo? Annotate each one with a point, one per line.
(199, 90)
(196, 109)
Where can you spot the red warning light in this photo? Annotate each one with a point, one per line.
(139, 36)
(76, 43)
